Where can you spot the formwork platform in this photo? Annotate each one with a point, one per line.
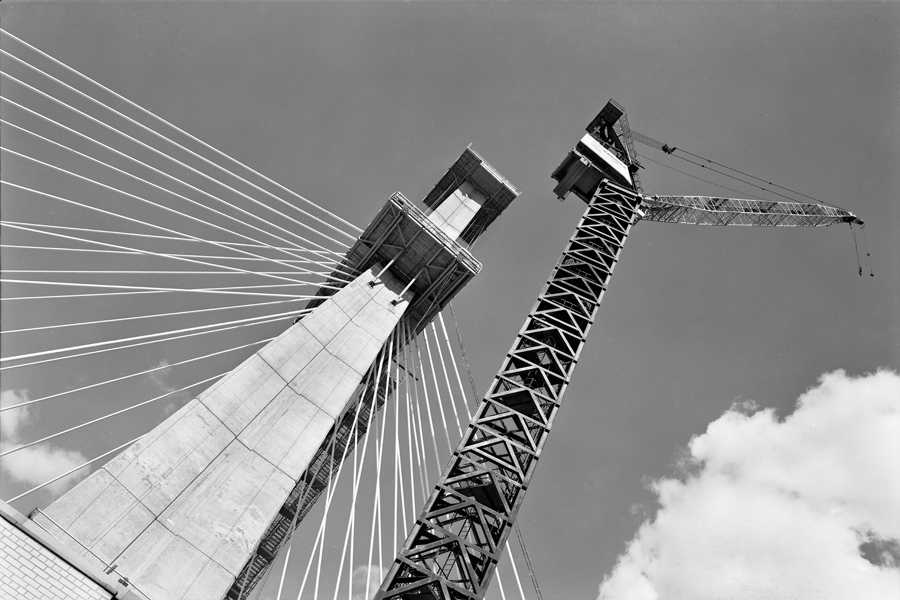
(418, 250)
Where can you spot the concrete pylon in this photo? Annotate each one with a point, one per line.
(197, 508)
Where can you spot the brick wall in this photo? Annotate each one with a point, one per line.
(28, 571)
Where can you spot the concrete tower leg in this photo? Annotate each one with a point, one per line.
(202, 497)
(181, 511)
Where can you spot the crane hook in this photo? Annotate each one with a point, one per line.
(868, 255)
(856, 247)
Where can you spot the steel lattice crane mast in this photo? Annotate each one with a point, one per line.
(453, 548)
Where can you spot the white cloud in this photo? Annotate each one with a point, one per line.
(375, 575)
(161, 380)
(805, 507)
(11, 420)
(36, 464)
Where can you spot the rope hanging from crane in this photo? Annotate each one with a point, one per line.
(531, 573)
(719, 185)
(868, 256)
(648, 141)
(856, 247)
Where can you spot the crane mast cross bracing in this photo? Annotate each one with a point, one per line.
(455, 544)
(453, 548)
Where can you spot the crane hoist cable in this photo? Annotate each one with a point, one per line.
(648, 141)
(462, 348)
(868, 256)
(534, 582)
(753, 176)
(724, 187)
(702, 166)
(856, 246)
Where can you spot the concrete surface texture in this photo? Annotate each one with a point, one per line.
(36, 566)
(182, 510)
(458, 209)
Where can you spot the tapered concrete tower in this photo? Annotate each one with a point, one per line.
(197, 508)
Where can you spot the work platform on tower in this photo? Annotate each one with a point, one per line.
(429, 249)
(199, 507)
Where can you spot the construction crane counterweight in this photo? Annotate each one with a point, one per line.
(452, 549)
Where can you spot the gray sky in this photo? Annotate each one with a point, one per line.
(348, 102)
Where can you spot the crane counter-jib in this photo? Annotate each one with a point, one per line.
(453, 548)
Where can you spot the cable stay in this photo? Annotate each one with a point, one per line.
(243, 211)
(398, 387)
(146, 342)
(160, 119)
(155, 170)
(141, 337)
(110, 415)
(399, 441)
(125, 252)
(406, 391)
(144, 200)
(150, 253)
(146, 272)
(73, 470)
(337, 273)
(179, 239)
(227, 291)
(405, 387)
(396, 374)
(129, 376)
(177, 145)
(290, 252)
(231, 290)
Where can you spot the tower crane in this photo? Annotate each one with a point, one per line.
(452, 550)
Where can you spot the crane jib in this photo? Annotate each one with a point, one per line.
(705, 210)
(452, 550)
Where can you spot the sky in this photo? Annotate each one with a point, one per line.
(732, 373)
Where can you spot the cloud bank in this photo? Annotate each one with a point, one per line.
(36, 464)
(371, 575)
(804, 507)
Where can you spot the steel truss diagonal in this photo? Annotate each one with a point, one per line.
(453, 548)
(704, 210)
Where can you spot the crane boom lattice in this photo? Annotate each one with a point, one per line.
(705, 210)
(453, 548)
